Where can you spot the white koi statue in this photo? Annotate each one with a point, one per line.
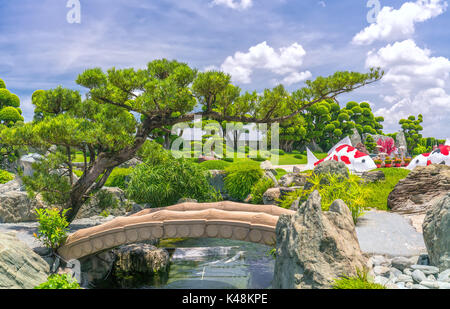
(355, 160)
(440, 155)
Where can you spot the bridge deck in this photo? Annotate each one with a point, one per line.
(238, 221)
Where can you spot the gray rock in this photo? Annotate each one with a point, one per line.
(131, 163)
(430, 284)
(332, 167)
(444, 285)
(409, 285)
(379, 260)
(381, 280)
(407, 271)
(394, 272)
(405, 278)
(186, 200)
(419, 287)
(373, 176)
(272, 195)
(95, 269)
(13, 185)
(267, 165)
(20, 267)
(139, 263)
(355, 137)
(296, 170)
(444, 276)
(436, 232)
(315, 247)
(431, 278)
(401, 262)
(401, 285)
(381, 271)
(292, 179)
(269, 175)
(16, 206)
(418, 276)
(423, 259)
(427, 270)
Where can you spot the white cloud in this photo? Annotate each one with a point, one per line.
(235, 5)
(415, 83)
(286, 61)
(322, 3)
(296, 77)
(398, 24)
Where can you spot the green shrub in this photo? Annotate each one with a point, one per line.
(215, 165)
(52, 229)
(5, 177)
(165, 183)
(119, 178)
(259, 159)
(299, 156)
(259, 189)
(230, 160)
(106, 200)
(359, 282)
(59, 282)
(278, 152)
(332, 187)
(241, 177)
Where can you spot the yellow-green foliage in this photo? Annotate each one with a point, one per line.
(359, 282)
(52, 229)
(241, 177)
(118, 178)
(259, 189)
(333, 187)
(5, 177)
(59, 282)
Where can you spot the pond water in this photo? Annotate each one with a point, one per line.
(219, 264)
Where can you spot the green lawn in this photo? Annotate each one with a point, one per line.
(381, 190)
(290, 158)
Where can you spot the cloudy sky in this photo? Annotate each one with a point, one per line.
(259, 42)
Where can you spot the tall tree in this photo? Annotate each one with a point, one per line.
(165, 93)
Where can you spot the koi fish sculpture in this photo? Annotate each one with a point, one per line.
(355, 160)
(440, 155)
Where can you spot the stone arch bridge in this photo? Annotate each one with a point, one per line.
(252, 223)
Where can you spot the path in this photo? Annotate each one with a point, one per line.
(389, 234)
(290, 168)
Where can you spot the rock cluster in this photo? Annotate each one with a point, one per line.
(315, 247)
(436, 233)
(405, 273)
(421, 189)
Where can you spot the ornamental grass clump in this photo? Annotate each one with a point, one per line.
(241, 177)
(53, 227)
(259, 189)
(359, 282)
(333, 187)
(59, 282)
(5, 177)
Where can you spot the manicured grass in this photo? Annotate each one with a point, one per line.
(380, 190)
(79, 158)
(290, 158)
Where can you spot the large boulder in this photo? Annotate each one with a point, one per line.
(17, 206)
(139, 264)
(293, 179)
(20, 267)
(13, 185)
(436, 233)
(420, 190)
(355, 137)
(326, 168)
(272, 195)
(373, 176)
(315, 247)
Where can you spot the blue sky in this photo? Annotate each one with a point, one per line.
(259, 42)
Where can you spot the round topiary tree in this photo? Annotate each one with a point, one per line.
(9, 106)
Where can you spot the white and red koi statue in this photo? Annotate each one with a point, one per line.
(355, 160)
(440, 155)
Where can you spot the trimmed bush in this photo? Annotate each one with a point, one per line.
(241, 177)
(215, 165)
(165, 183)
(278, 152)
(5, 177)
(259, 189)
(119, 178)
